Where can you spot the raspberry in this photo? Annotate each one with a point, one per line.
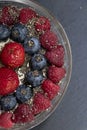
(50, 88)
(56, 56)
(40, 103)
(56, 74)
(42, 24)
(22, 114)
(26, 14)
(8, 81)
(10, 15)
(13, 55)
(48, 40)
(5, 120)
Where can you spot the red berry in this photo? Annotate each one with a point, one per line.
(50, 88)
(5, 120)
(56, 74)
(13, 55)
(48, 40)
(56, 56)
(8, 81)
(26, 14)
(22, 114)
(40, 103)
(10, 15)
(42, 24)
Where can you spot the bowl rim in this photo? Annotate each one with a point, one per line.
(69, 46)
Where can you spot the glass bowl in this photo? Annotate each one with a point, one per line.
(58, 29)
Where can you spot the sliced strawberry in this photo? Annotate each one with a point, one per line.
(8, 81)
(13, 55)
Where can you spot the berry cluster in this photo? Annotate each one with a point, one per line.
(20, 103)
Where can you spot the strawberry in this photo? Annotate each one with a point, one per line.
(8, 81)
(49, 40)
(56, 74)
(50, 89)
(56, 56)
(22, 114)
(42, 24)
(10, 15)
(40, 103)
(5, 120)
(13, 55)
(26, 14)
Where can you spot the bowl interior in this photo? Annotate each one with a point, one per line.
(58, 29)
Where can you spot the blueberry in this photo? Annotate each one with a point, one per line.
(38, 62)
(31, 45)
(34, 78)
(8, 102)
(23, 93)
(4, 32)
(19, 32)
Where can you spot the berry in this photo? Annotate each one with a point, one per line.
(35, 78)
(8, 102)
(10, 15)
(31, 45)
(22, 114)
(19, 32)
(5, 120)
(26, 14)
(48, 40)
(13, 55)
(50, 89)
(4, 32)
(38, 62)
(40, 103)
(56, 56)
(56, 74)
(8, 81)
(42, 24)
(23, 93)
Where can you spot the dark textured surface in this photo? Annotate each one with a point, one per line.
(72, 111)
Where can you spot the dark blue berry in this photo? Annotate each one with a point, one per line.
(34, 78)
(8, 102)
(31, 45)
(19, 32)
(23, 93)
(4, 32)
(38, 62)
